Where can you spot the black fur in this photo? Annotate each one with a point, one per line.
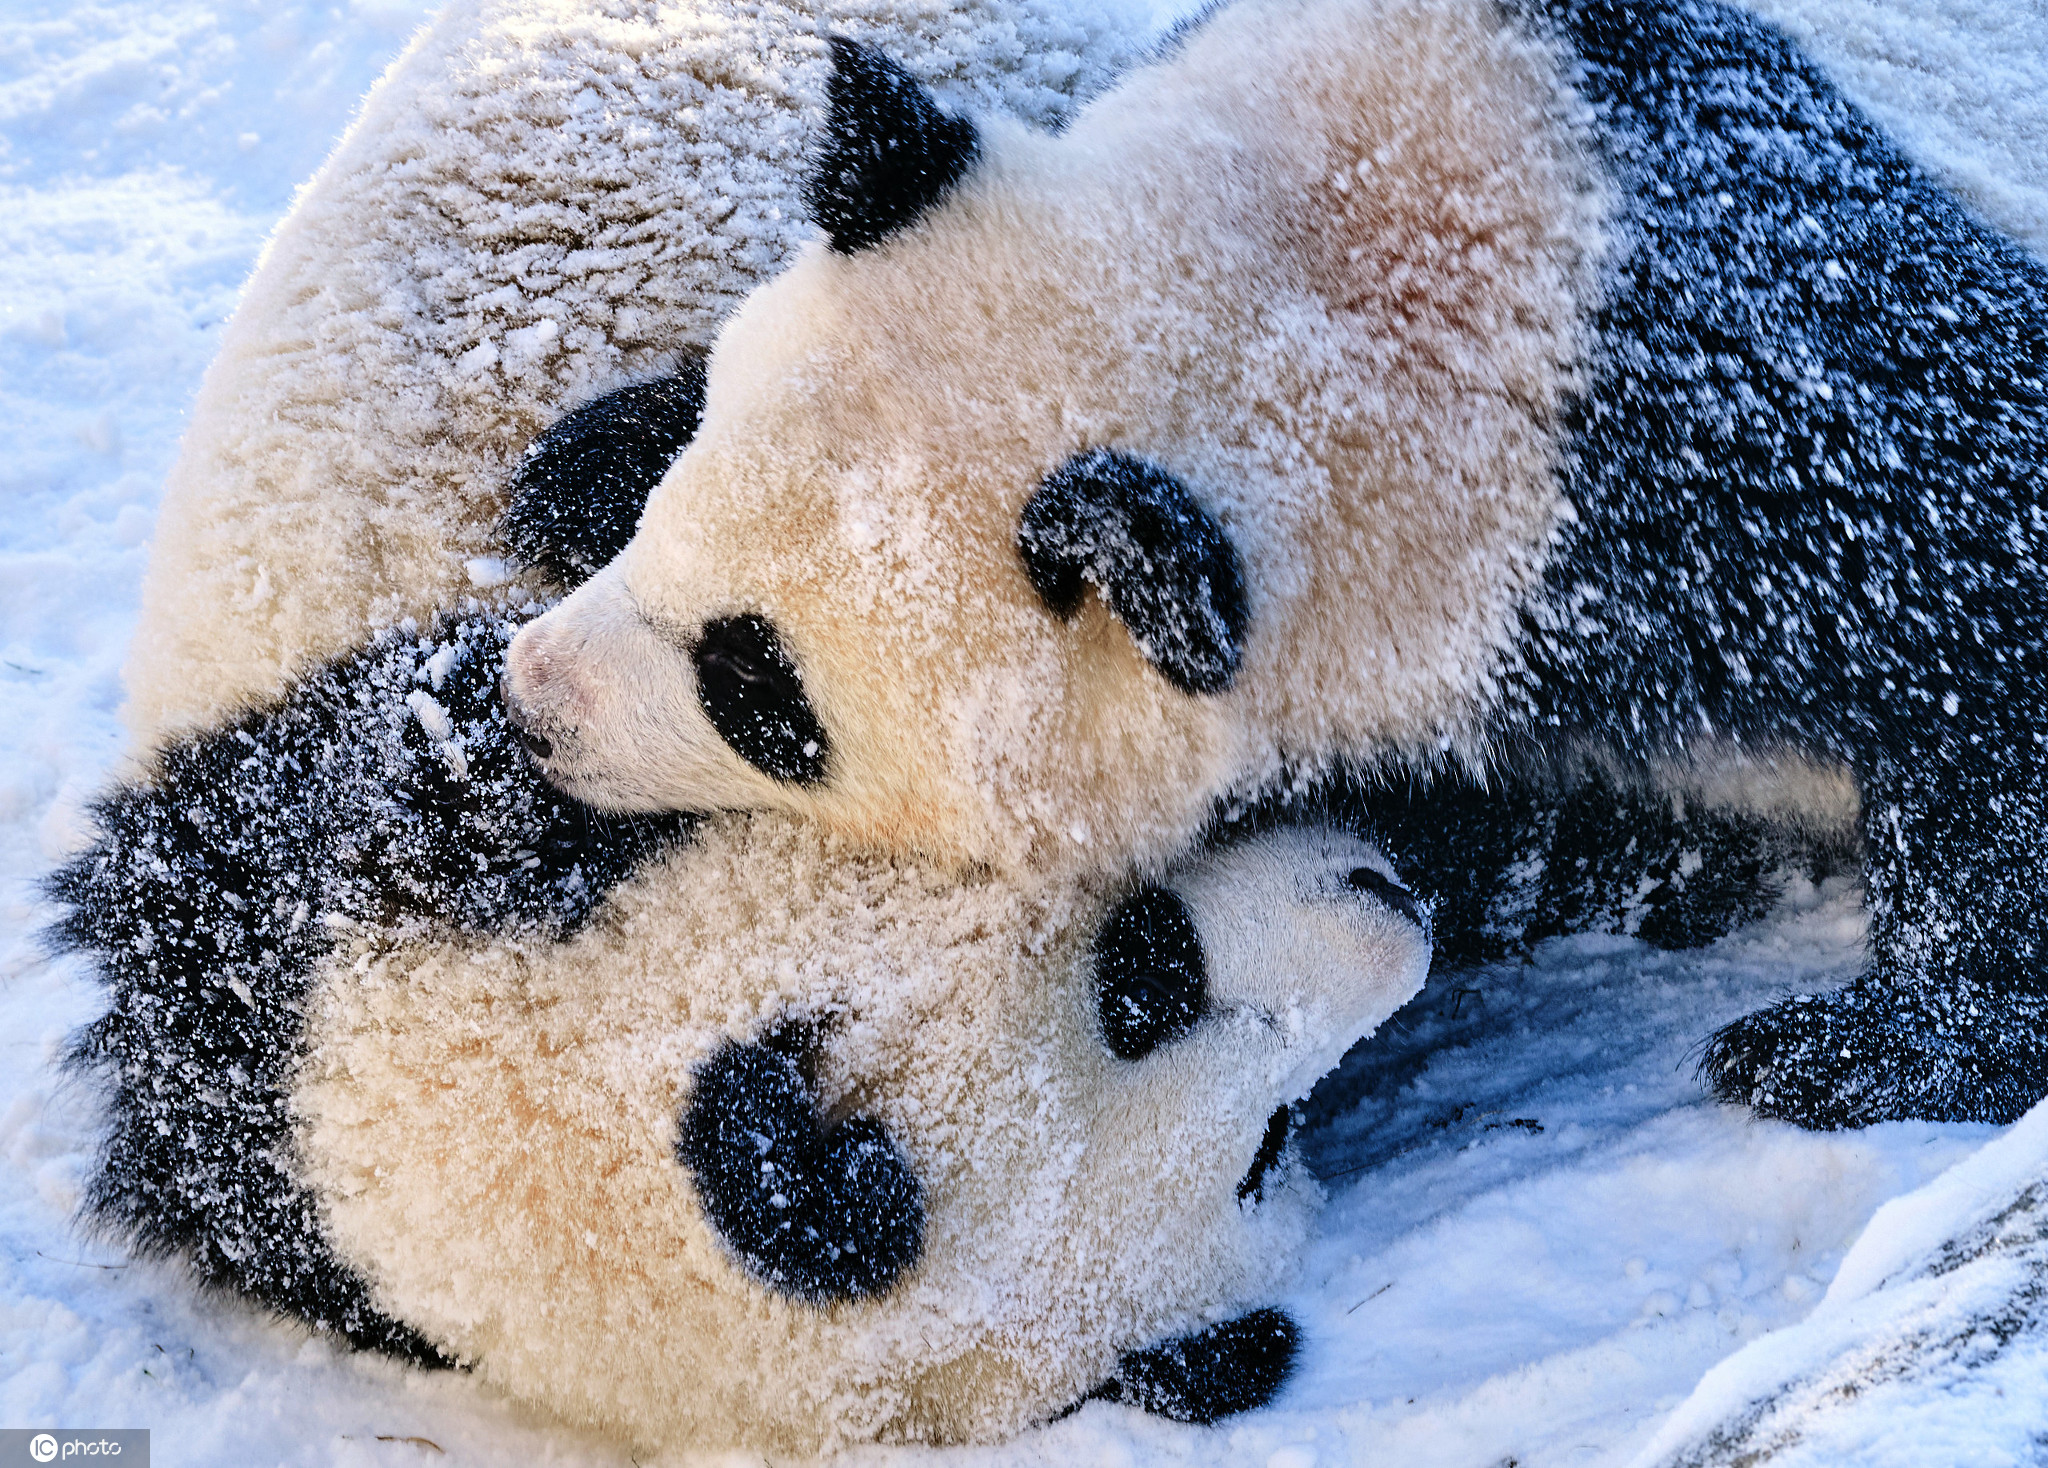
(890, 151)
(818, 1213)
(1211, 1374)
(752, 693)
(1538, 852)
(217, 887)
(581, 485)
(1808, 474)
(1151, 976)
(1279, 1127)
(1166, 567)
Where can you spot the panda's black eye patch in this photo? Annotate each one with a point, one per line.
(751, 692)
(1151, 977)
(578, 491)
(1169, 572)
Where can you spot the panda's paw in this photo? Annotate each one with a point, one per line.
(1213, 1373)
(1875, 1052)
(816, 1213)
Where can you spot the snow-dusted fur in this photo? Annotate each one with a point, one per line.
(1409, 376)
(493, 1132)
(543, 200)
(773, 1144)
(1294, 266)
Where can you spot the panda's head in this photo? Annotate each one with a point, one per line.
(861, 592)
(998, 540)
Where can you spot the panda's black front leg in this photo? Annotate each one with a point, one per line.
(1950, 1023)
(817, 1213)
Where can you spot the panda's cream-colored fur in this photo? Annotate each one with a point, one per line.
(1325, 263)
(493, 1132)
(542, 201)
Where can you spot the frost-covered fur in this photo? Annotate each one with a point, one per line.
(786, 1146)
(1294, 267)
(493, 1132)
(1376, 458)
(543, 200)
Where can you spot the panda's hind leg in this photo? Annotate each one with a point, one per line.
(1950, 1021)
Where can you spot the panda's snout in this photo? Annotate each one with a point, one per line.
(530, 739)
(1376, 883)
(534, 689)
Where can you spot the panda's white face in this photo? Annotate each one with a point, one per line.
(500, 1136)
(1192, 307)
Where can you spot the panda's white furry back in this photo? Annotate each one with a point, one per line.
(541, 201)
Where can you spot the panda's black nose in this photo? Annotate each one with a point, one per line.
(1378, 884)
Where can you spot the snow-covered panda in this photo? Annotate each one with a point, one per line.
(767, 1144)
(1376, 382)
(332, 837)
(541, 202)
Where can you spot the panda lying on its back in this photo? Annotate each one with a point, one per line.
(1407, 376)
(829, 1149)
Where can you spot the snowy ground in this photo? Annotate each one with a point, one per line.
(1540, 1236)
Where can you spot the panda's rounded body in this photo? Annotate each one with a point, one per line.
(765, 1143)
(497, 1136)
(1412, 377)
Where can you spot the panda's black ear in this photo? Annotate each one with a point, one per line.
(1169, 572)
(579, 490)
(890, 151)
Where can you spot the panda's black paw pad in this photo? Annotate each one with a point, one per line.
(1213, 1373)
(1874, 1052)
(817, 1214)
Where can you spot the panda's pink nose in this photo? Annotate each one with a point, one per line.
(536, 690)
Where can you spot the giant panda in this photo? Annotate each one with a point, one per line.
(330, 842)
(1375, 385)
(707, 1134)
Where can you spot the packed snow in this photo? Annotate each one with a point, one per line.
(1542, 1246)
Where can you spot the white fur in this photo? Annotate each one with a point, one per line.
(492, 1131)
(543, 200)
(1298, 266)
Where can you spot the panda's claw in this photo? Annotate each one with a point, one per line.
(818, 1215)
(1873, 1052)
